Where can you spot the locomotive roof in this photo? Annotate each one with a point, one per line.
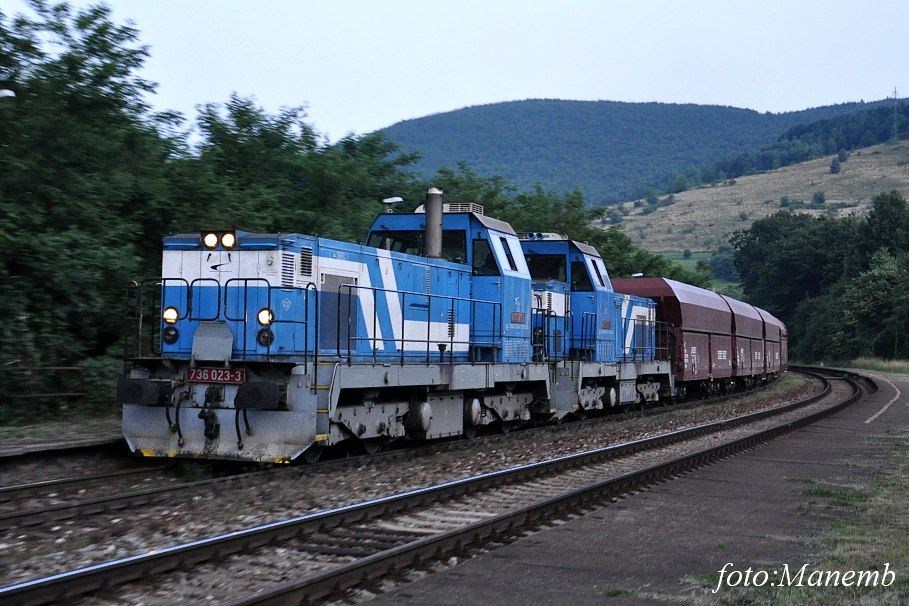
(496, 224)
(585, 248)
(488, 222)
(245, 239)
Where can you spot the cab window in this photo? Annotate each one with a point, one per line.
(409, 242)
(508, 257)
(580, 279)
(596, 270)
(454, 243)
(484, 262)
(454, 246)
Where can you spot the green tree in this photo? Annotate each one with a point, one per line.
(279, 177)
(835, 166)
(872, 320)
(887, 226)
(786, 257)
(83, 179)
(566, 214)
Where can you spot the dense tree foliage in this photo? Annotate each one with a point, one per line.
(91, 180)
(841, 285)
(549, 211)
(868, 126)
(612, 151)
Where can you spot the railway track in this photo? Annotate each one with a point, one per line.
(345, 546)
(16, 455)
(15, 516)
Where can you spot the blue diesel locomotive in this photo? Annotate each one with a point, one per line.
(269, 347)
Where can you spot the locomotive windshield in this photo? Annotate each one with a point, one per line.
(484, 262)
(454, 246)
(547, 267)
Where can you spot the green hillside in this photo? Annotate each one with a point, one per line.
(611, 150)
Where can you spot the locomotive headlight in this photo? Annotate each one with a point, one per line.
(265, 316)
(210, 240)
(170, 335)
(170, 315)
(228, 240)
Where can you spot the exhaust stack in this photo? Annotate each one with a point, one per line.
(432, 236)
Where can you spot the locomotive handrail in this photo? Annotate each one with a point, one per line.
(560, 343)
(275, 320)
(186, 308)
(588, 340)
(650, 341)
(190, 300)
(495, 336)
(139, 316)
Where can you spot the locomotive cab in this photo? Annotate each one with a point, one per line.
(497, 276)
(603, 326)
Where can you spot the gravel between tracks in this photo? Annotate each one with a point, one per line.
(46, 467)
(245, 574)
(39, 551)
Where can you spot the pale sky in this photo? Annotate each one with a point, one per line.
(363, 65)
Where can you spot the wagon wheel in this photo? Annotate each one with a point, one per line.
(312, 454)
(367, 446)
(372, 445)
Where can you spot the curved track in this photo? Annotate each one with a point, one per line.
(344, 546)
(167, 488)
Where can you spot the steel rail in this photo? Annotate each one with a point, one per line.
(119, 501)
(10, 455)
(17, 492)
(327, 583)
(91, 578)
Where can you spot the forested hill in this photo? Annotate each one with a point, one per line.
(611, 150)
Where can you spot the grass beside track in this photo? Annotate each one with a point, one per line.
(887, 366)
(872, 533)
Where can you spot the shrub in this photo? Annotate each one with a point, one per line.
(818, 197)
(835, 166)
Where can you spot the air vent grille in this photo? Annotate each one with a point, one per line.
(287, 270)
(306, 262)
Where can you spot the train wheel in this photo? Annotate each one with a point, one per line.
(373, 445)
(472, 411)
(368, 446)
(503, 426)
(312, 454)
(581, 413)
